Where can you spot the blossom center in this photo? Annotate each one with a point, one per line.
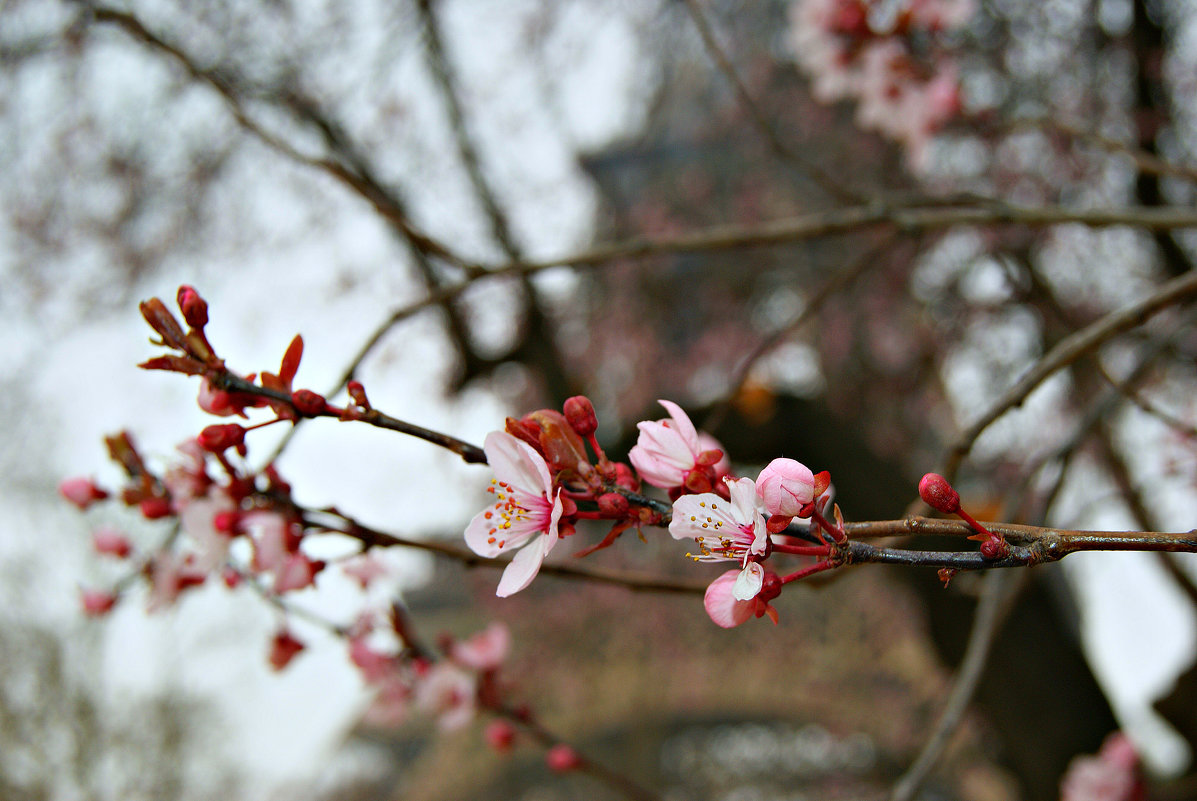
(725, 541)
(511, 518)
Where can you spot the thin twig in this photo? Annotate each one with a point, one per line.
(789, 156)
(996, 599)
(1066, 352)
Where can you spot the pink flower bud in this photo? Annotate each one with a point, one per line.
(785, 486)
(81, 491)
(499, 735)
(937, 493)
(111, 542)
(283, 648)
(97, 602)
(562, 759)
(194, 308)
(579, 411)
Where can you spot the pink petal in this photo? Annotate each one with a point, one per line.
(722, 607)
(524, 567)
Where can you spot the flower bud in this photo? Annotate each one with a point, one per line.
(155, 507)
(81, 491)
(194, 308)
(111, 542)
(785, 486)
(499, 735)
(219, 438)
(283, 648)
(579, 411)
(937, 493)
(358, 393)
(770, 587)
(308, 402)
(612, 504)
(97, 602)
(562, 759)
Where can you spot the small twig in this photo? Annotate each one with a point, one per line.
(999, 592)
(825, 181)
(1066, 352)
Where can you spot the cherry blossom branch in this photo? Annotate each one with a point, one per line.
(1144, 161)
(787, 155)
(1066, 352)
(231, 382)
(326, 520)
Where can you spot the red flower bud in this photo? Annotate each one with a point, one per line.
(226, 521)
(155, 508)
(81, 491)
(937, 493)
(97, 602)
(613, 505)
(770, 587)
(283, 648)
(995, 548)
(308, 402)
(220, 437)
(358, 393)
(579, 411)
(194, 308)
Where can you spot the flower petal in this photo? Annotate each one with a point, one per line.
(699, 515)
(524, 567)
(749, 582)
(722, 608)
(517, 463)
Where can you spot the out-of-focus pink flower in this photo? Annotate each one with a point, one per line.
(111, 542)
(525, 514)
(81, 491)
(97, 602)
(283, 648)
(171, 573)
(561, 758)
(296, 573)
(374, 665)
(666, 450)
(365, 569)
(272, 545)
(198, 520)
(486, 650)
(725, 530)
(448, 692)
(390, 704)
(499, 735)
(1111, 775)
(785, 486)
(728, 611)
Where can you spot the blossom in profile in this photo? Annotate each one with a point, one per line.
(525, 513)
(485, 650)
(666, 450)
(726, 530)
(82, 492)
(728, 611)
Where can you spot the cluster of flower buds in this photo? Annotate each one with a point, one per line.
(888, 57)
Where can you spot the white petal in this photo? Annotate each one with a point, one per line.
(517, 463)
(524, 567)
(749, 582)
(690, 512)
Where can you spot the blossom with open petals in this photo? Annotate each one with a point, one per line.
(731, 530)
(525, 513)
(666, 450)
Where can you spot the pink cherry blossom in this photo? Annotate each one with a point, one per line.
(726, 530)
(97, 602)
(525, 513)
(666, 450)
(448, 692)
(486, 650)
(785, 486)
(1111, 775)
(81, 491)
(728, 611)
(109, 541)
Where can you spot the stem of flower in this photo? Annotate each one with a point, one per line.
(817, 567)
(802, 550)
